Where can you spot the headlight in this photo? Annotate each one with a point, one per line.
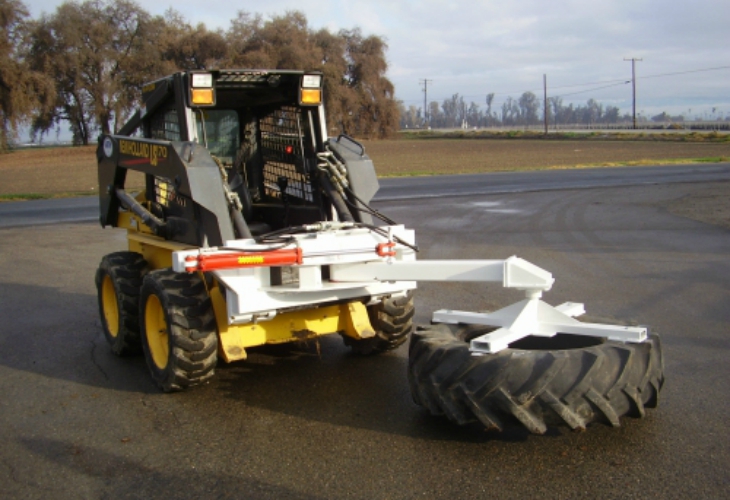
(311, 81)
(202, 89)
(202, 80)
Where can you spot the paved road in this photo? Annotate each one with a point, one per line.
(35, 212)
(87, 208)
(315, 422)
(547, 180)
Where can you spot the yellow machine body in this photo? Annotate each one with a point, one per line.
(349, 318)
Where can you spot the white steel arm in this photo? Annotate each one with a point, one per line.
(527, 317)
(512, 273)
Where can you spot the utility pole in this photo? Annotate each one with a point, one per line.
(425, 83)
(544, 87)
(633, 84)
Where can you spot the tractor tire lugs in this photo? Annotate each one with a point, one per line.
(596, 381)
(126, 271)
(392, 319)
(191, 328)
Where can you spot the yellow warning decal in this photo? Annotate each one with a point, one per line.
(254, 259)
(152, 152)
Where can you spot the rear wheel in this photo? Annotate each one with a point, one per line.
(118, 283)
(564, 380)
(392, 319)
(179, 334)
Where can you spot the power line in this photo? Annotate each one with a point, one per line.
(684, 72)
(610, 83)
(624, 82)
(589, 83)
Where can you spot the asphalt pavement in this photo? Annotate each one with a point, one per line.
(28, 213)
(313, 421)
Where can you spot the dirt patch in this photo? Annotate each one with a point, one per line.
(46, 171)
(461, 156)
(710, 205)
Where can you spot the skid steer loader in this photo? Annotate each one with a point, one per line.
(256, 228)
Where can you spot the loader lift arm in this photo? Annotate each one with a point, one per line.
(194, 196)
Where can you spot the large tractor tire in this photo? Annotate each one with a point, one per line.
(118, 283)
(392, 319)
(564, 380)
(179, 335)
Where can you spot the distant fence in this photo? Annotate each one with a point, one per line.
(707, 126)
(687, 125)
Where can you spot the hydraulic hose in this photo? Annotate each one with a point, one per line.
(340, 206)
(240, 223)
(147, 217)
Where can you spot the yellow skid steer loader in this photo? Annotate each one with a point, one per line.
(255, 228)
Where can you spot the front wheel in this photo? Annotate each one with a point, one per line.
(179, 335)
(392, 319)
(564, 380)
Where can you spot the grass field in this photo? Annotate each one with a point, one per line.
(51, 172)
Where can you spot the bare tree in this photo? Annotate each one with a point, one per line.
(22, 90)
(99, 53)
(474, 116)
(436, 116)
(186, 47)
(529, 107)
(376, 114)
(490, 100)
(511, 114)
(455, 111)
(409, 118)
(359, 98)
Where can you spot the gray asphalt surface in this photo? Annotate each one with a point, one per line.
(547, 180)
(87, 208)
(316, 422)
(37, 212)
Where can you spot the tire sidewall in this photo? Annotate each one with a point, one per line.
(118, 343)
(163, 377)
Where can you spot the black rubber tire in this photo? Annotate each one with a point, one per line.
(124, 271)
(192, 339)
(392, 319)
(539, 382)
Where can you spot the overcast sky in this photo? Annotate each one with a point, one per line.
(505, 46)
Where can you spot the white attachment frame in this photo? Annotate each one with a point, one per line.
(359, 267)
(534, 317)
(530, 316)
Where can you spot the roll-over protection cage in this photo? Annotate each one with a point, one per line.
(261, 131)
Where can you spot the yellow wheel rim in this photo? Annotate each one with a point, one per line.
(156, 329)
(110, 306)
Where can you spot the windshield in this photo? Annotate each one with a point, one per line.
(221, 134)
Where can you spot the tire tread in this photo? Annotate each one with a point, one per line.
(537, 388)
(191, 327)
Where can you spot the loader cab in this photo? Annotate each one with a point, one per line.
(263, 128)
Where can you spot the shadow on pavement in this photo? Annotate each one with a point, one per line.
(110, 475)
(57, 334)
(329, 384)
(322, 382)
